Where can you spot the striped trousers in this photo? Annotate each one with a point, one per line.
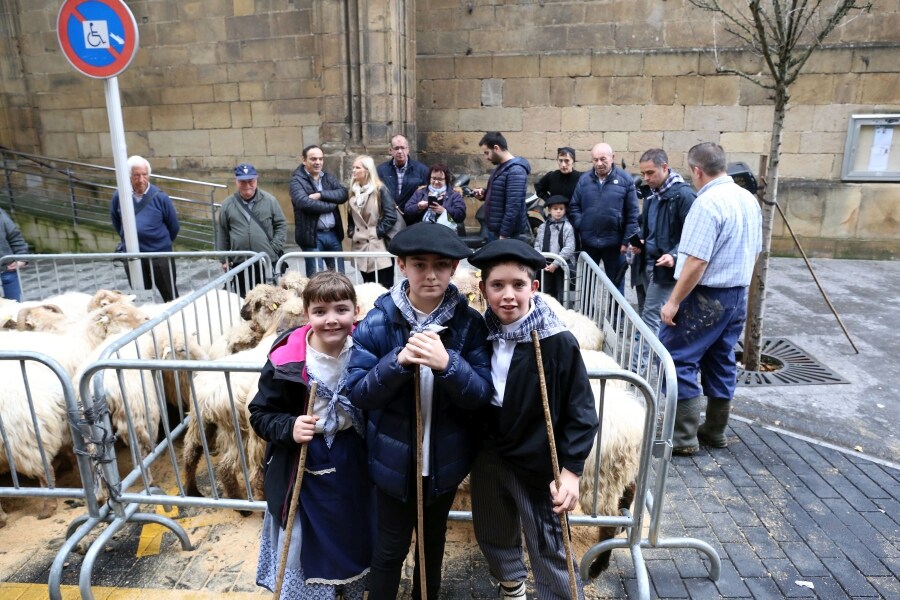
(502, 507)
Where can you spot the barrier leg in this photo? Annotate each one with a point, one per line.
(166, 522)
(715, 562)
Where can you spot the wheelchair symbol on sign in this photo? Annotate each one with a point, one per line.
(96, 35)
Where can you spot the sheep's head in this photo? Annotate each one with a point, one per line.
(180, 347)
(262, 302)
(290, 315)
(294, 282)
(44, 317)
(106, 297)
(116, 318)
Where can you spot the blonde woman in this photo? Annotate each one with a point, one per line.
(372, 215)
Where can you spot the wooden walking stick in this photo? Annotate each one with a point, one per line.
(295, 498)
(420, 500)
(563, 518)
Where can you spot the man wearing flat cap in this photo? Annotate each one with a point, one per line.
(250, 219)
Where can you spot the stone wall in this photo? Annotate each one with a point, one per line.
(219, 81)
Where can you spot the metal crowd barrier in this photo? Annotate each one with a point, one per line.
(627, 339)
(40, 420)
(46, 275)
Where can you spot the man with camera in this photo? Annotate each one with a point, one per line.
(506, 190)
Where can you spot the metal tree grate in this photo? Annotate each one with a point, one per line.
(797, 367)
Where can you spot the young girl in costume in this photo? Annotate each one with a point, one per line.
(331, 542)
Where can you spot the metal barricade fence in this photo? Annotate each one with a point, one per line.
(159, 378)
(39, 421)
(648, 367)
(47, 275)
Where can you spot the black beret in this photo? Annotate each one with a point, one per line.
(428, 238)
(557, 199)
(508, 251)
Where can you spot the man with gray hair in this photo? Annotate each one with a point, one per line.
(705, 312)
(157, 227)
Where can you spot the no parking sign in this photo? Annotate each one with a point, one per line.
(99, 37)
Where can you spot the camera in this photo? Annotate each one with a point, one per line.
(467, 191)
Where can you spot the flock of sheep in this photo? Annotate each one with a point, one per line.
(76, 328)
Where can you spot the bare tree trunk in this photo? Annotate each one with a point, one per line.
(756, 300)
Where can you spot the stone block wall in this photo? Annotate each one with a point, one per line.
(630, 73)
(219, 81)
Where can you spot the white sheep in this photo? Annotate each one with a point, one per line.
(43, 317)
(71, 348)
(621, 434)
(263, 309)
(216, 399)
(366, 295)
(588, 334)
(50, 409)
(294, 282)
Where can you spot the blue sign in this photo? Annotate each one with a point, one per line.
(99, 37)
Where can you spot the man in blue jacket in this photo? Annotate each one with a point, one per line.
(401, 174)
(604, 210)
(505, 192)
(156, 224)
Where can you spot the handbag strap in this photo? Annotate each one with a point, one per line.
(253, 217)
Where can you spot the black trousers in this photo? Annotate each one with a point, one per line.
(395, 523)
(385, 276)
(158, 273)
(248, 280)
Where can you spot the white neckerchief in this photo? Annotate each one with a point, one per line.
(426, 395)
(501, 358)
(328, 369)
(361, 193)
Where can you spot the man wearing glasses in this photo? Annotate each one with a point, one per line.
(401, 174)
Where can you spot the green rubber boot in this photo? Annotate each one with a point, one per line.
(687, 418)
(712, 432)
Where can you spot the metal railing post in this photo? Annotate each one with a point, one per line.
(7, 174)
(72, 196)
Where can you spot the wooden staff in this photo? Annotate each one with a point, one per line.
(563, 518)
(420, 500)
(295, 499)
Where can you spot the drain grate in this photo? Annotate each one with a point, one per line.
(797, 367)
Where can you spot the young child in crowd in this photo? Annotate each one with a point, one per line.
(334, 515)
(512, 480)
(556, 235)
(422, 325)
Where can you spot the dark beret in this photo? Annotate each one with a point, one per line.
(428, 238)
(510, 250)
(557, 199)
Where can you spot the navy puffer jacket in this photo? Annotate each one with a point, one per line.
(606, 215)
(505, 204)
(383, 387)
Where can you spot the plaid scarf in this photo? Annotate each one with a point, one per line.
(440, 315)
(671, 180)
(542, 319)
(331, 421)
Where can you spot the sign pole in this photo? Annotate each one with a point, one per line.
(123, 177)
(100, 38)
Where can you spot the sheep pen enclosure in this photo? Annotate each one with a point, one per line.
(173, 391)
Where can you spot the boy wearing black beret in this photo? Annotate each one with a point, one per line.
(513, 486)
(422, 325)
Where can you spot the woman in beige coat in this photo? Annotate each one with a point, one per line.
(372, 214)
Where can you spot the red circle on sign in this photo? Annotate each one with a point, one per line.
(69, 10)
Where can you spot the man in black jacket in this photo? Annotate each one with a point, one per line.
(316, 196)
(401, 174)
(505, 192)
(661, 221)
